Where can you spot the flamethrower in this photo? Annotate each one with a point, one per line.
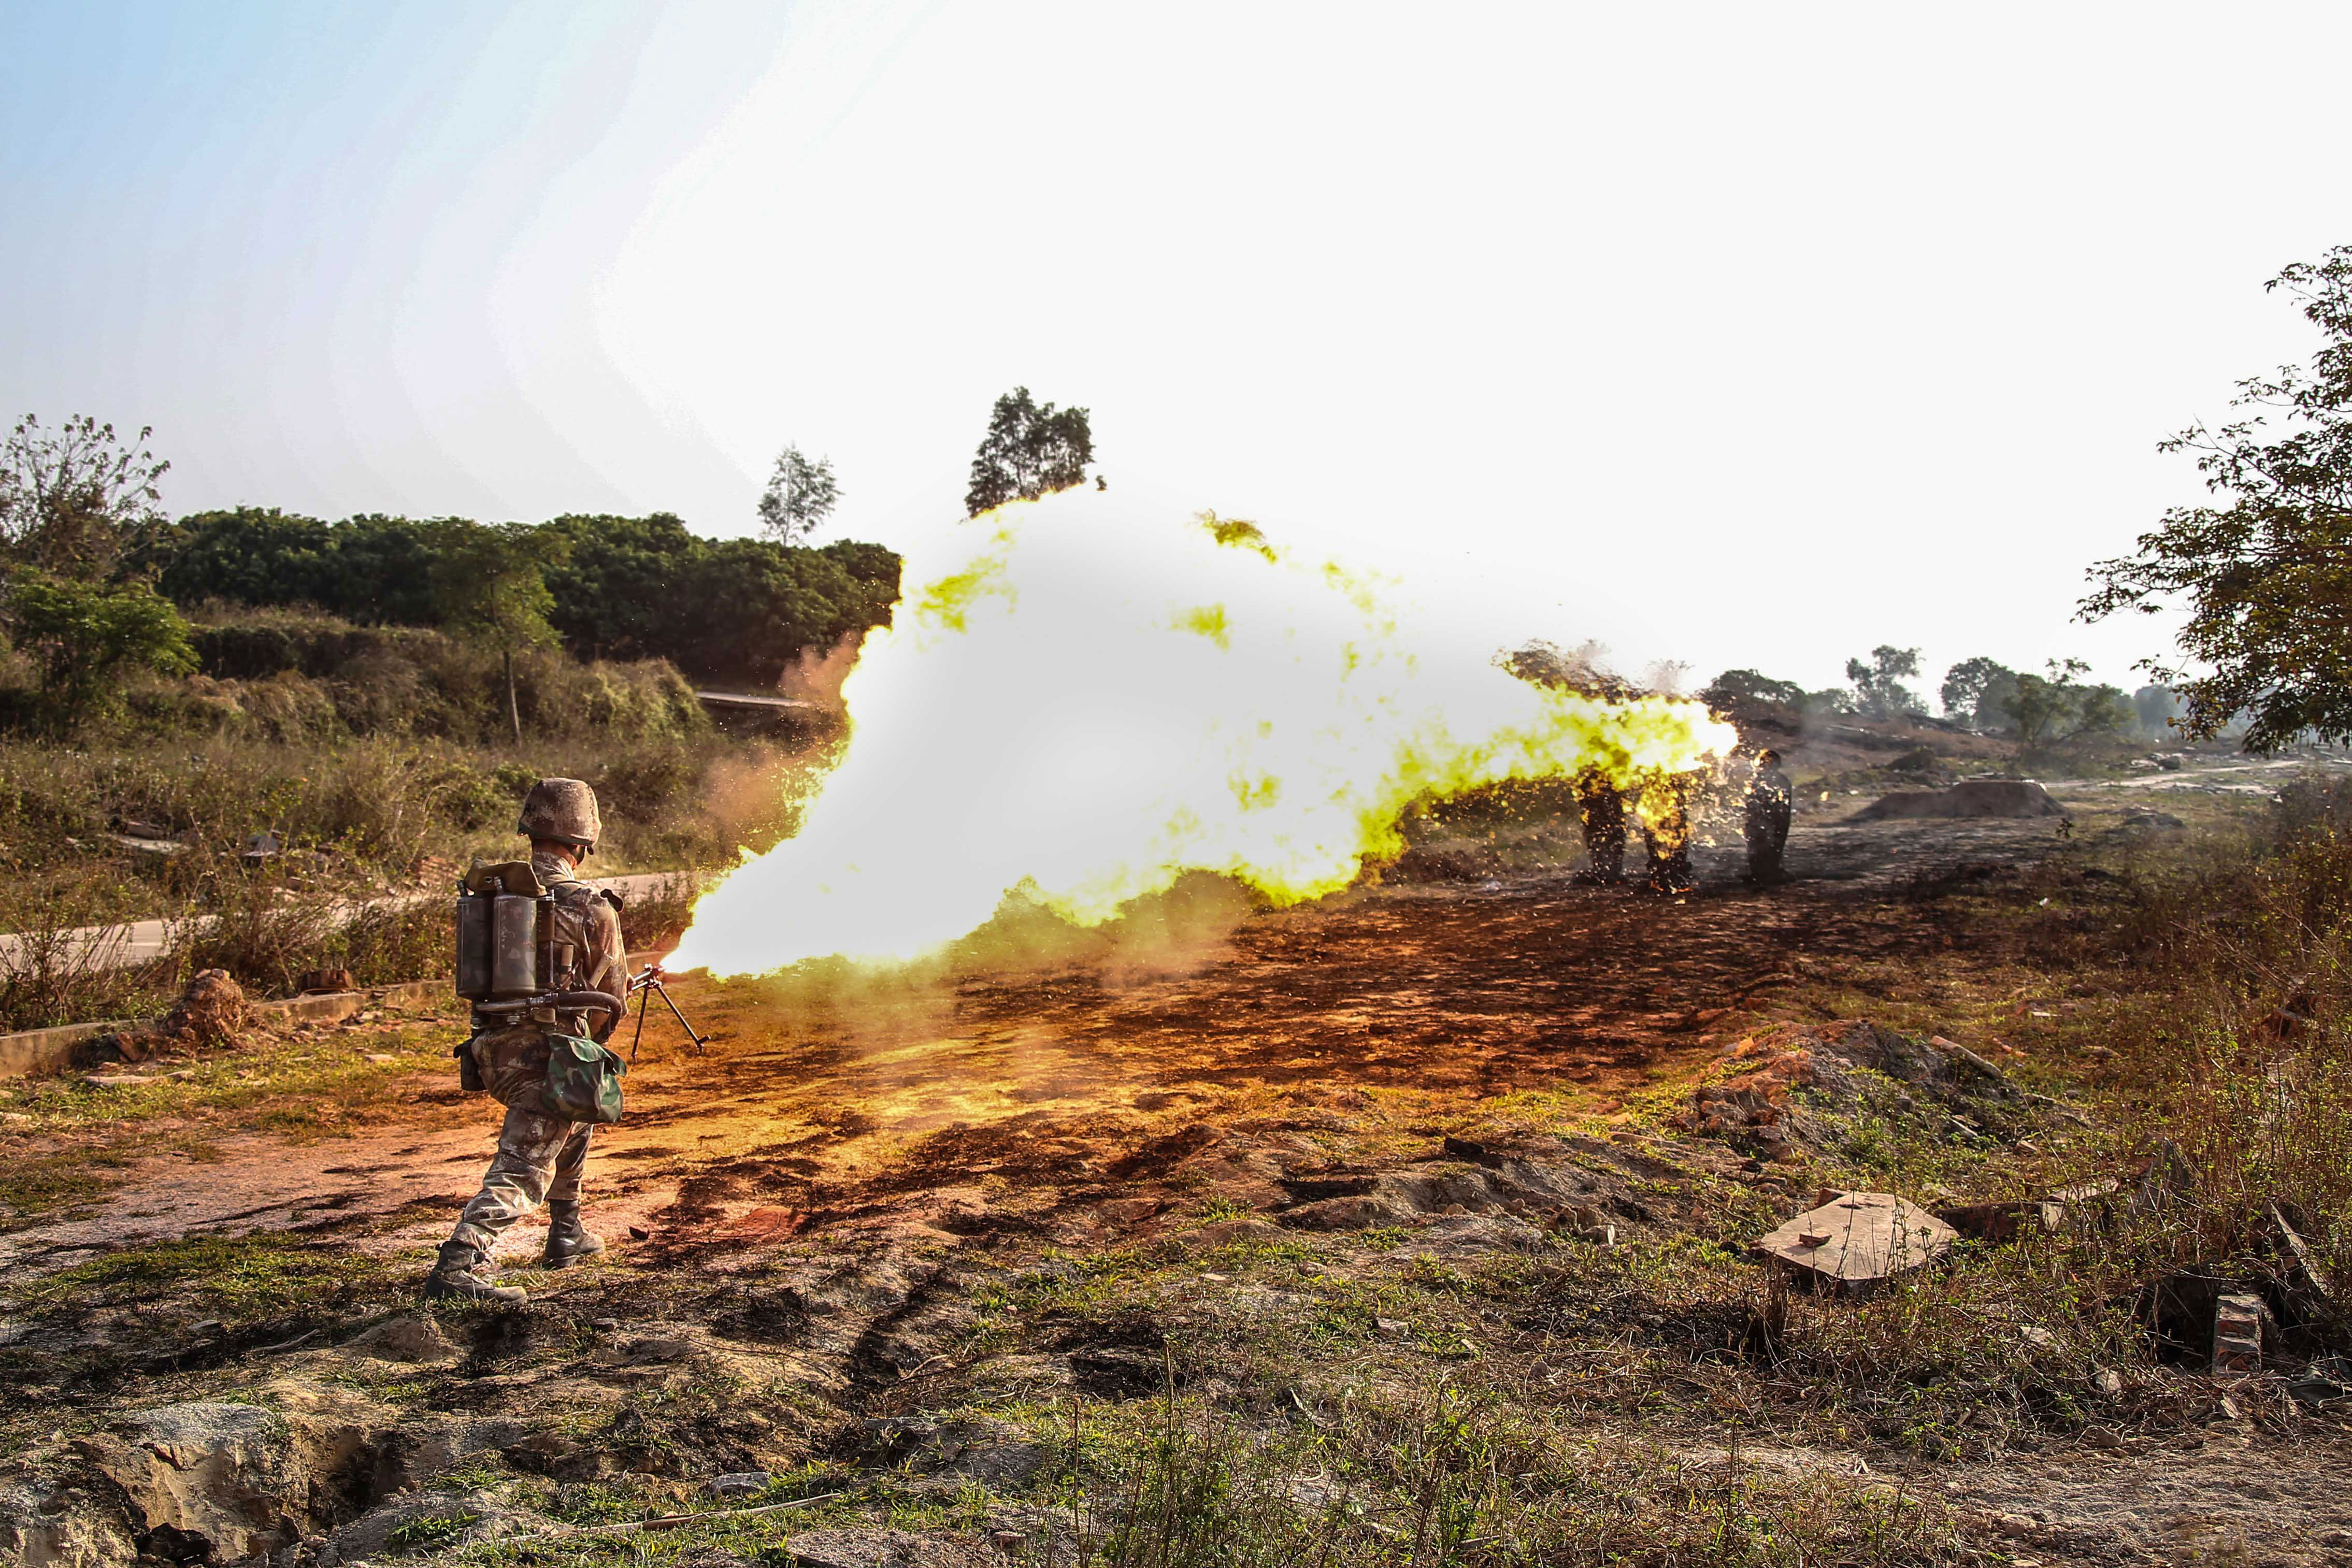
(647, 984)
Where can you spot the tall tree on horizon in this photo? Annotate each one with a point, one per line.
(1032, 449)
(801, 493)
(1878, 684)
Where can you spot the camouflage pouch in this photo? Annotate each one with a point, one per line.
(512, 1062)
(584, 1081)
(469, 1071)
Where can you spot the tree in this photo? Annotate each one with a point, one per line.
(83, 636)
(370, 568)
(490, 583)
(1751, 689)
(799, 496)
(2266, 570)
(2156, 706)
(77, 502)
(1964, 685)
(735, 610)
(2049, 707)
(1993, 701)
(1879, 685)
(2103, 710)
(1031, 450)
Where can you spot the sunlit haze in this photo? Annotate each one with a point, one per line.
(1738, 335)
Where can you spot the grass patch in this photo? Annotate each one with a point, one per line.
(239, 1280)
(431, 1532)
(1453, 1476)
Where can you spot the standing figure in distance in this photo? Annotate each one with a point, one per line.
(1601, 805)
(1666, 833)
(1770, 798)
(540, 1155)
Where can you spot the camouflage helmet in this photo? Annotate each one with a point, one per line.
(563, 811)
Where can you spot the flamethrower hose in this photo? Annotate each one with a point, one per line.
(563, 1001)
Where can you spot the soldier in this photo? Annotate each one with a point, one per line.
(541, 1157)
(1770, 798)
(1602, 807)
(1666, 833)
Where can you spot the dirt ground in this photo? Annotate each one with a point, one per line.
(841, 1180)
(813, 1102)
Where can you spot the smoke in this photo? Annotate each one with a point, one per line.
(1080, 701)
(815, 676)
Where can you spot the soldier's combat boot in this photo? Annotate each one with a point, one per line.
(460, 1275)
(568, 1240)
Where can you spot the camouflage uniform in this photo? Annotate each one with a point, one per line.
(540, 1158)
(1769, 801)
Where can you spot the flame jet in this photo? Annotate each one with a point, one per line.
(1079, 701)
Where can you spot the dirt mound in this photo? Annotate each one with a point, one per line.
(1796, 1087)
(1968, 797)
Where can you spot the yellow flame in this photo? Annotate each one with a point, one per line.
(1080, 702)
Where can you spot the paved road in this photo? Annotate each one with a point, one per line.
(141, 941)
(2249, 775)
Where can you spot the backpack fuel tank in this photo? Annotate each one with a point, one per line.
(505, 932)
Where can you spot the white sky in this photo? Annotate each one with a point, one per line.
(1739, 334)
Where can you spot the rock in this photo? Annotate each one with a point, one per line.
(410, 1337)
(2238, 1336)
(2323, 1380)
(738, 1483)
(2307, 1279)
(47, 1522)
(2108, 1382)
(424, 1523)
(1859, 1240)
(221, 1475)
